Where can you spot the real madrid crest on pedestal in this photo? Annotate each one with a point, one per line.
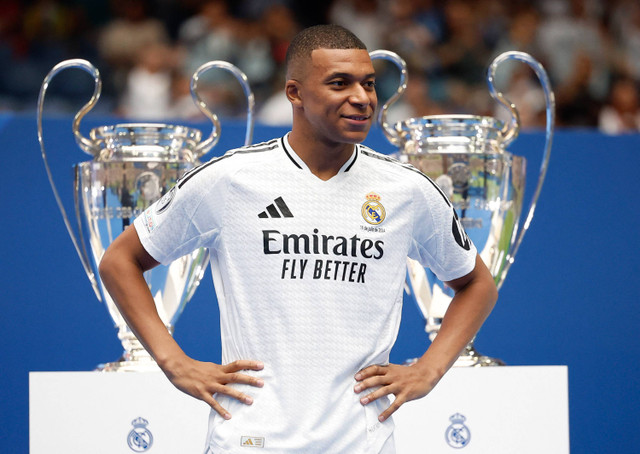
(133, 166)
(140, 438)
(466, 156)
(457, 434)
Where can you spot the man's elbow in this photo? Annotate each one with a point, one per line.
(106, 266)
(492, 293)
(486, 281)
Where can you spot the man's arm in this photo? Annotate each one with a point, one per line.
(121, 270)
(475, 296)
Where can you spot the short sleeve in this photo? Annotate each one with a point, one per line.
(185, 218)
(439, 239)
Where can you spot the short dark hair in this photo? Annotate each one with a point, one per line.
(321, 37)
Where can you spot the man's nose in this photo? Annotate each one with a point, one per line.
(360, 96)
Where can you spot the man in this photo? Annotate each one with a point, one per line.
(308, 235)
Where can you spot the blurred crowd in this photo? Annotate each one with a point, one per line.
(147, 51)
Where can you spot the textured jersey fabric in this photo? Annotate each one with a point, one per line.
(309, 277)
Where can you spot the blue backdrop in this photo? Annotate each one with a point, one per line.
(569, 298)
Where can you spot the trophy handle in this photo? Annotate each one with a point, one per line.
(212, 140)
(391, 135)
(511, 132)
(85, 144)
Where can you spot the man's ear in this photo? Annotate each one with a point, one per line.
(292, 90)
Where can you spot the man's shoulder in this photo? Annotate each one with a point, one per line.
(252, 152)
(389, 163)
(234, 160)
(404, 173)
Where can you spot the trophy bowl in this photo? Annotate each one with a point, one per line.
(134, 165)
(467, 157)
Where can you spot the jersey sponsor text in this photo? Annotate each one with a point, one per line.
(337, 269)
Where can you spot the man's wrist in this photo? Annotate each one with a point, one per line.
(170, 361)
(431, 372)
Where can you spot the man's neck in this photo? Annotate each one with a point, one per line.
(324, 160)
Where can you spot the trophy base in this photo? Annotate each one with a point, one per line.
(471, 358)
(134, 357)
(129, 365)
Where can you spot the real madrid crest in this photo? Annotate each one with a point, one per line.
(457, 434)
(139, 438)
(372, 211)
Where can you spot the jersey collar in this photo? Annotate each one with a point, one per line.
(299, 163)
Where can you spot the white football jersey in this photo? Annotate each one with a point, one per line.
(309, 279)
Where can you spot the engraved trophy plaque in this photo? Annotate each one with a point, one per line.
(466, 156)
(132, 166)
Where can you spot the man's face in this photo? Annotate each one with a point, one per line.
(337, 94)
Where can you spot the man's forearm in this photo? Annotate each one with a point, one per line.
(467, 311)
(122, 274)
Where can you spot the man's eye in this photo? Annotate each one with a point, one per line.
(370, 84)
(338, 83)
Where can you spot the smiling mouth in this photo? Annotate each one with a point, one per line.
(357, 117)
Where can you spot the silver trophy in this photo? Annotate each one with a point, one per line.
(133, 166)
(467, 158)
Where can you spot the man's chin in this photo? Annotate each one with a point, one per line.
(357, 136)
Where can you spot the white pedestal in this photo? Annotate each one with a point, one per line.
(507, 409)
(92, 412)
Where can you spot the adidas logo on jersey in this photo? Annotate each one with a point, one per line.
(278, 209)
(252, 442)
